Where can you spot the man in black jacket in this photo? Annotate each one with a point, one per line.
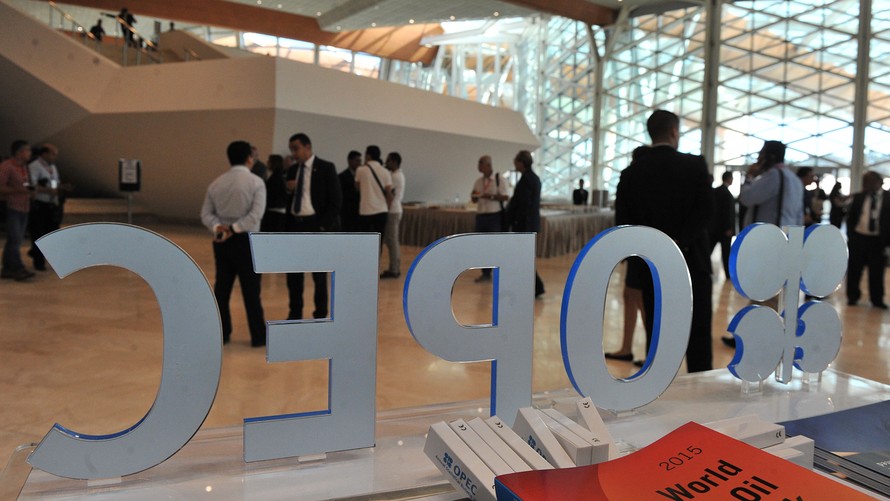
(314, 207)
(723, 222)
(524, 209)
(868, 234)
(671, 191)
(349, 209)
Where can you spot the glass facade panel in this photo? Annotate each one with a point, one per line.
(657, 62)
(877, 128)
(786, 78)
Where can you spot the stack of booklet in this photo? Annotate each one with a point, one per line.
(853, 444)
(472, 453)
(546, 455)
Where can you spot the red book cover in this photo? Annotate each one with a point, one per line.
(690, 463)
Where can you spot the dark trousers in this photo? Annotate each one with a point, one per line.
(375, 223)
(865, 251)
(233, 260)
(491, 223)
(295, 281)
(16, 222)
(349, 222)
(44, 218)
(725, 246)
(273, 222)
(698, 351)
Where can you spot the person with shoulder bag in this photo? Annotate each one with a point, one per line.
(374, 185)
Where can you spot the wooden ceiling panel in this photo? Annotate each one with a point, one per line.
(580, 10)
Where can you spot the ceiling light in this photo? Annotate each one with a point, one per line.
(452, 18)
(318, 14)
(259, 2)
(279, 6)
(373, 25)
(339, 28)
(496, 13)
(410, 21)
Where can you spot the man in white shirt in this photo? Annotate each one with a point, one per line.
(374, 185)
(391, 234)
(489, 194)
(46, 208)
(233, 207)
(771, 192)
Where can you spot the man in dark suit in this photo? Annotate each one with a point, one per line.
(723, 222)
(524, 209)
(671, 191)
(868, 234)
(349, 210)
(314, 207)
(580, 195)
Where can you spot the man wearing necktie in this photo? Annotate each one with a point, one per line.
(314, 207)
(868, 234)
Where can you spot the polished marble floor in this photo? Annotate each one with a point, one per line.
(85, 351)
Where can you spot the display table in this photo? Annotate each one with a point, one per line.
(397, 467)
(562, 231)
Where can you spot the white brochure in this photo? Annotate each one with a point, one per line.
(480, 447)
(520, 446)
(590, 417)
(599, 452)
(461, 466)
(530, 427)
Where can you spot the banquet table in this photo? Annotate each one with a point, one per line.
(563, 231)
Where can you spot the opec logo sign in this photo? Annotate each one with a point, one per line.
(764, 261)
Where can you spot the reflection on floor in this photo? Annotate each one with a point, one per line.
(86, 351)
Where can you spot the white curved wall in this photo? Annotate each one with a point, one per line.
(177, 118)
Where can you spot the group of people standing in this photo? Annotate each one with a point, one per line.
(306, 196)
(522, 211)
(671, 191)
(773, 194)
(34, 195)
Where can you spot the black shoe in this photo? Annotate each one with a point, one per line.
(389, 274)
(483, 278)
(617, 356)
(852, 303)
(7, 274)
(258, 344)
(881, 306)
(226, 340)
(40, 267)
(728, 341)
(639, 363)
(23, 275)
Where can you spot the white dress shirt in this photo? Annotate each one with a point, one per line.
(237, 199)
